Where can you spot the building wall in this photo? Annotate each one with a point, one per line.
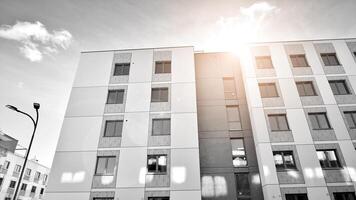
(309, 177)
(215, 134)
(81, 138)
(10, 174)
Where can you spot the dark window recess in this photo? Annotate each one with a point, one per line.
(344, 195)
(161, 126)
(42, 191)
(339, 87)
(163, 67)
(296, 197)
(159, 95)
(115, 97)
(268, 90)
(33, 189)
(1, 180)
(242, 186)
(306, 88)
(105, 165)
(158, 198)
(122, 69)
(37, 175)
(157, 163)
(12, 184)
(328, 159)
(278, 122)
(113, 128)
(6, 165)
(17, 168)
(103, 198)
(284, 160)
(350, 118)
(264, 62)
(23, 186)
(299, 60)
(330, 59)
(319, 121)
(355, 53)
(28, 172)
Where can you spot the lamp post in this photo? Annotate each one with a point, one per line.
(36, 106)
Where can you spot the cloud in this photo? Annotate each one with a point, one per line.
(35, 39)
(258, 11)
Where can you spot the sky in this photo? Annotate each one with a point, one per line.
(41, 41)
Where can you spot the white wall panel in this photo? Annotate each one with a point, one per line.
(94, 69)
(337, 122)
(349, 152)
(313, 58)
(183, 69)
(290, 93)
(185, 195)
(138, 97)
(318, 193)
(88, 101)
(132, 168)
(299, 126)
(135, 129)
(266, 164)
(272, 192)
(80, 134)
(130, 194)
(183, 97)
(259, 125)
(280, 61)
(253, 92)
(141, 66)
(184, 133)
(325, 90)
(345, 56)
(72, 171)
(185, 169)
(352, 80)
(67, 196)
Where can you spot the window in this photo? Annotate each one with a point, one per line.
(296, 197)
(306, 88)
(37, 175)
(319, 121)
(121, 69)
(115, 97)
(113, 128)
(33, 189)
(299, 60)
(242, 185)
(328, 159)
(350, 118)
(103, 198)
(7, 198)
(159, 95)
(42, 191)
(12, 184)
(344, 196)
(17, 168)
(264, 62)
(158, 198)
(105, 165)
(329, 59)
(157, 163)
(161, 126)
(354, 53)
(229, 88)
(1, 180)
(284, 160)
(233, 117)
(339, 87)
(23, 186)
(278, 122)
(45, 177)
(6, 164)
(28, 172)
(239, 158)
(268, 90)
(163, 67)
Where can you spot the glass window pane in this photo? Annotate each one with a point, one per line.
(333, 60)
(325, 59)
(112, 97)
(162, 163)
(341, 86)
(110, 128)
(110, 165)
(309, 89)
(101, 165)
(118, 128)
(273, 122)
(300, 88)
(167, 67)
(323, 121)
(229, 88)
(242, 184)
(282, 122)
(313, 121)
(164, 94)
(271, 89)
(349, 120)
(151, 163)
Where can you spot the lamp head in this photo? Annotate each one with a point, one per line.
(36, 106)
(11, 107)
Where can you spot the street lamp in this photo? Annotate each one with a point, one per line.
(36, 106)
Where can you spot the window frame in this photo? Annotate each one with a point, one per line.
(6, 164)
(161, 119)
(327, 160)
(164, 66)
(159, 99)
(328, 55)
(273, 84)
(296, 57)
(303, 83)
(103, 198)
(285, 167)
(316, 114)
(344, 197)
(353, 118)
(345, 85)
(277, 122)
(156, 171)
(23, 187)
(116, 124)
(28, 170)
(17, 168)
(37, 174)
(296, 196)
(117, 100)
(121, 72)
(259, 61)
(244, 157)
(105, 173)
(12, 184)
(237, 185)
(33, 189)
(228, 93)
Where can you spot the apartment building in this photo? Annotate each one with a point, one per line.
(35, 177)
(275, 122)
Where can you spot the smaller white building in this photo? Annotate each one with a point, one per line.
(34, 180)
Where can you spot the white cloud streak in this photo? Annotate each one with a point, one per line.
(35, 39)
